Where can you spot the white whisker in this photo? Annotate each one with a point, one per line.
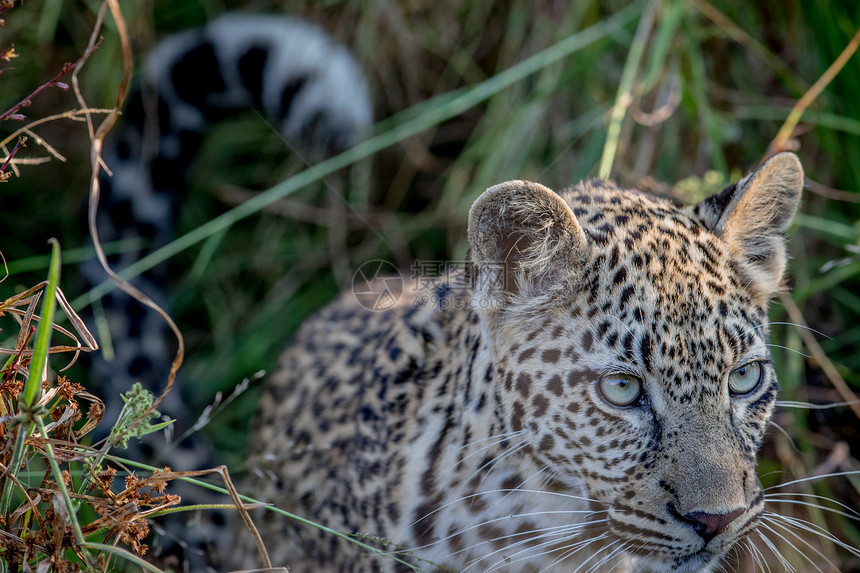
(849, 512)
(808, 406)
(622, 323)
(814, 477)
(796, 351)
(572, 532)
(784, 561)
(733, 555)
(621, 559)
(757, 555)
(518, 488)
(803, 326)
(545, 532)
(612, 554)
(496, 520)
(499, 438)
(566, 551)
(488, 467)
(584, 563)
(786, 434)
(790, 531)
(773, 548)
(551, 493)
(803, 525)
(759, 558)
(771, 473)
(491, 491)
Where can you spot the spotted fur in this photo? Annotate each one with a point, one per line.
(474, 432)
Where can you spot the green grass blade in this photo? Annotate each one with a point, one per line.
(624, 96)
(127, 555)
(827, 228)
(38, 364)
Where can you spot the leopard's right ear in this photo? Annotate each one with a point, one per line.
(752, 217)
(524, 241)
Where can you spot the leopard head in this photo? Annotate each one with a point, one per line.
(630, 343)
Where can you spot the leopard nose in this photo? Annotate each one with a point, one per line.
(706, 525)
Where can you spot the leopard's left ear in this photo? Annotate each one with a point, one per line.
(524, 242)
(753, 215)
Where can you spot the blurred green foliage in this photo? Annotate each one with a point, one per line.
(714, 83)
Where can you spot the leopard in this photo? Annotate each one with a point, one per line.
(589, 393)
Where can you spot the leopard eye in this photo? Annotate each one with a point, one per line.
(746, 378)
(621, 389)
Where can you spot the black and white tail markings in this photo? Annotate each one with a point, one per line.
(292, 71)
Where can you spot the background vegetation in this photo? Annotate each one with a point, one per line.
(714, 83)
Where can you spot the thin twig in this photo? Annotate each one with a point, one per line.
(97, 137)
(246, 517)
(48, 147)
(30, 297)
(27, 161)
(3, 175)
(830, 193)
(72, 114)
(66, 69)
(5, 268)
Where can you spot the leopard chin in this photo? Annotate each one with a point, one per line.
(700, 562)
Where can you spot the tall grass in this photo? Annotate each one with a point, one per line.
(686, 104)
